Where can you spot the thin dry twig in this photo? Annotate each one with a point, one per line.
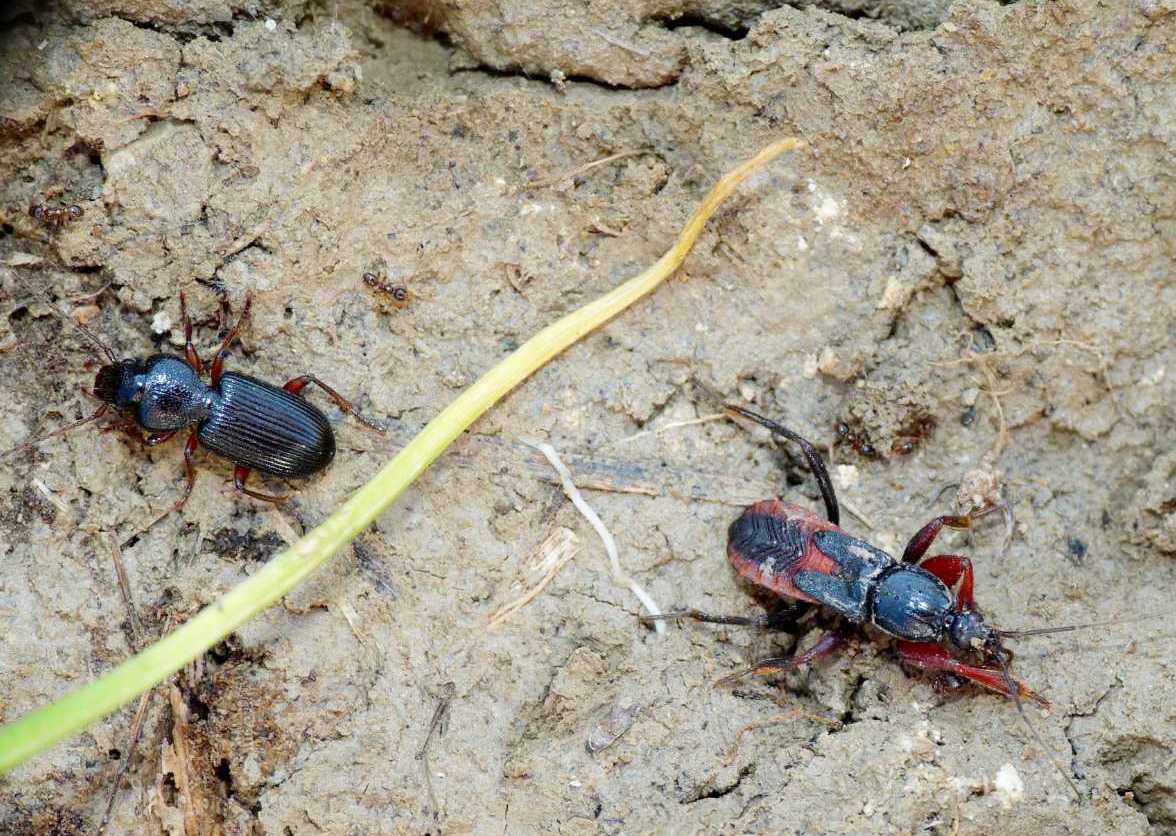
(617, 42)
(606, 537)
(971, 357)
(132, 745)
(52, 497)
(776, 720)
(672, 425)
(1002, 427)
(983, 362)
(579, 170)
(436, 724)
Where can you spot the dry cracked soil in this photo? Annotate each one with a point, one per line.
(961, 289)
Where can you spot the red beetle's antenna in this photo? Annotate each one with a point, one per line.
(1070, 628)
(1002, 659)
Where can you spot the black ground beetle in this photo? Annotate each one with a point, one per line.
(254, 424)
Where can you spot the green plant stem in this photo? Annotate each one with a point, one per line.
(40, 729)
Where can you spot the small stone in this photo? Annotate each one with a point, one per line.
(161, 323)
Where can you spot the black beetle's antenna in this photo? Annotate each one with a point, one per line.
(28, 445)
(92, 337)
(106, 352)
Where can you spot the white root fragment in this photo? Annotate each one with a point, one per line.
(610, 546)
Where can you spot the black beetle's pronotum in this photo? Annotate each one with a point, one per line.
(254, 424)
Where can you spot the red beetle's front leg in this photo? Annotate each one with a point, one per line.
(926, 535)
(953, 569)
(932, 657)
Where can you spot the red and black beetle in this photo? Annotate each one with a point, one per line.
(926, 604)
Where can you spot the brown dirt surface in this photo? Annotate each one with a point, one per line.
(965, 278)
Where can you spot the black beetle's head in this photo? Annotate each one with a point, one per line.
(120, 383)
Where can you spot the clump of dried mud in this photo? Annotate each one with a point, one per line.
(968, 271)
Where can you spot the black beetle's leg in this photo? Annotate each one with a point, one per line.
(297, 384)
(189, 468)
(241, 475)
(189, 349)
(831, 642)
(28, 445)
(781, 619)
(159, 438)
(815, 462)
(926, 535)
(127, 427)
(218, 362)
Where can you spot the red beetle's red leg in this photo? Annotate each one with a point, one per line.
(953, 569)
(241, 475)
(778, 620)
(926, 535)
(829, 643)
(297, 384)
(218, 362)
(189, 349)
(189, 469)
(932, 657)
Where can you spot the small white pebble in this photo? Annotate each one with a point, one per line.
(270, 24)
(42, 45)
(161, 323)
(1010, 789)
(828, 210)
(574, 784)
(895, 295)
(801, 244)
(847, 476)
